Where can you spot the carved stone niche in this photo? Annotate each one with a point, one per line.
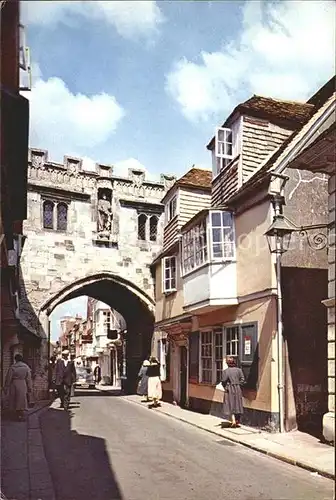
(105, 216)
(167, 180)
(104, 170)
(38, 157)
(137, 176)
(73, 165)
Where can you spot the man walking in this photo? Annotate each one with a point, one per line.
(64, 378)
(69, 378)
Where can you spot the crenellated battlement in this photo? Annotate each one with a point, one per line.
(71, 170)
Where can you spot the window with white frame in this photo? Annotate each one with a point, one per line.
(215, 345)
(232, 341)
(107, 321)
(206, 357)
(219, 353)
(224, 146)
(194, 247)
(171, 208)
(222, 235)
(169, 274)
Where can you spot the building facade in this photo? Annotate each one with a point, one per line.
(14, 159)
(227, 294)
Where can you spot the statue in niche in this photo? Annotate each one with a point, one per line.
(104, 215)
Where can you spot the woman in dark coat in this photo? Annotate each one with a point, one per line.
(143, 380)
(232, 380)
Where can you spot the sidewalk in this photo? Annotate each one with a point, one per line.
(296, 448)
(24, 470)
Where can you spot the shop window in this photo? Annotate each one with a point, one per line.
(238, 341)
(206, 357)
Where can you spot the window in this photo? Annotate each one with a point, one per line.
(194, 245)
(206, 357)
(153, 224)
(219, 353)
(147, 227)
(55, 215)
(62, 217)
(107, 321)
(142, 223)
(222, 235)
(171, 208)
(48, 215)
(232, 341)
(169, 274)
(225, 148)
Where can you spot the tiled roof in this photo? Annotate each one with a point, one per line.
(297, 112)
(293, 113)
(273, 160)
(196, 177)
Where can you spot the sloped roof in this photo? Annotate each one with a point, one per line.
(293, 113)
(323, 98)
(195, 178)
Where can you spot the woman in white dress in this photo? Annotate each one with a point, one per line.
(154, 381)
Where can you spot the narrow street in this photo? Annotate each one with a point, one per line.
(107, 448)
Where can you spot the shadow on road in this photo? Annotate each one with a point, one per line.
(79, 464)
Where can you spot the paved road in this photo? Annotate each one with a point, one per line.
(112, 449)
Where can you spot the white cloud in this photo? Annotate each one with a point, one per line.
(285, 49)
(67, 123)
(130, 19)
(120, 168)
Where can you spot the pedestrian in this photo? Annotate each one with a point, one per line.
(58, 376)
(232, 380)
(97, 374)
(18, 386)
(69, 378)
(154, 382)
(142, 389)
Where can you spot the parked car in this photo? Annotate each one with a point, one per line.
(84, 377)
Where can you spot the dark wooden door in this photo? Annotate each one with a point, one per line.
(183, 376)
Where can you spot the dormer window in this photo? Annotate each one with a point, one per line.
(171, 208)
(224, 147)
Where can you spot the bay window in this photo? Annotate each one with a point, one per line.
(169, 274)
(211, 239)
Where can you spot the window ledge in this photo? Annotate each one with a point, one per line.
(170, 292)
(208, 263)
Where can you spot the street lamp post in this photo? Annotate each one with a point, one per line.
(278, 238)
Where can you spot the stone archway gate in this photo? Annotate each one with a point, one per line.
(82, 223)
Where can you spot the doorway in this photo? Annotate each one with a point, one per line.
(183, 376)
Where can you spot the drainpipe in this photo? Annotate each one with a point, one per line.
(280, 328)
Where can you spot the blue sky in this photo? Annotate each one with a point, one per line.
(145, 83)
